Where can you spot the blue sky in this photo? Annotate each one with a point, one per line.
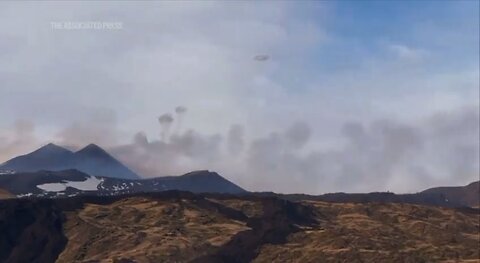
(360, 28)
(339, 73)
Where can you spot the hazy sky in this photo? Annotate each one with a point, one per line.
(355, 95)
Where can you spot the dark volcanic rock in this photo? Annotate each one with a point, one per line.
(31, 231)
(27, 184)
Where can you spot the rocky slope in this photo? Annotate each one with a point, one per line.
(177, 226)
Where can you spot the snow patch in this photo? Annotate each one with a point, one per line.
(91, 184)
(53, 187)
(120, 187)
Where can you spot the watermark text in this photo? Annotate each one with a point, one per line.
(86, 25)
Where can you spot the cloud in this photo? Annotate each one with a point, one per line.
(295, 109)
(199, 54)
(19, 140)
(382, 155)
(406, 53)
(100, 127)
(236, 139)
(298, 134)
(182, 152)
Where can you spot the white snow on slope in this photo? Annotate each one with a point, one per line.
(25, 195)
(54, 187)
(90, 184)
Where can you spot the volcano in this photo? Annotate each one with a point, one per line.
(92, 159)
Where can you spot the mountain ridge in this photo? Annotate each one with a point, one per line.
(73, 182)
(91, 159)
(468, 194)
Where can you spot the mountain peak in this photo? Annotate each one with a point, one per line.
(95, 160)
(92, 159)
(51, 149)
(209, 181)
(203, 174)
(47, 157)
(92, 149)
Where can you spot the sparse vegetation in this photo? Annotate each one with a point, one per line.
(184, 227)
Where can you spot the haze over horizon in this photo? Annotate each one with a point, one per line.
(310, 97)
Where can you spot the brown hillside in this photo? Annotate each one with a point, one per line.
(381, 233)
(183, 227)
(146, 230)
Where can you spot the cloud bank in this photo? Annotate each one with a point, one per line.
(284, 96)
(442, 149)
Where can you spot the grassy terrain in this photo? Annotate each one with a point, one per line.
(183, 227)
